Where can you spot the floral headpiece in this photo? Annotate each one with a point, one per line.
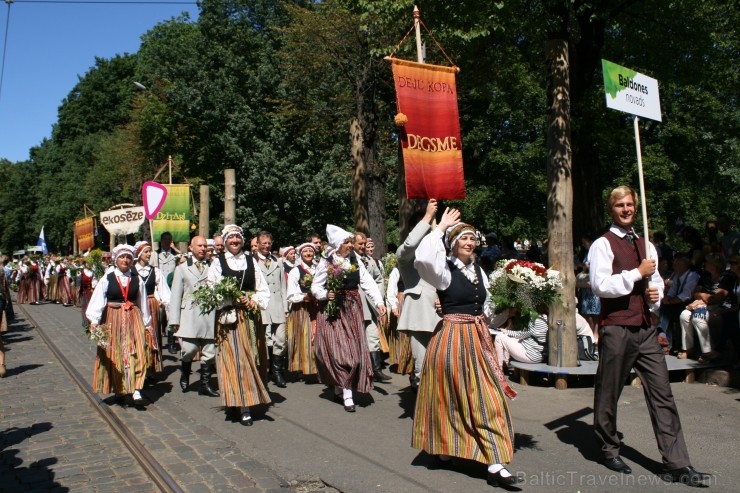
(232, 230)
(525, 285)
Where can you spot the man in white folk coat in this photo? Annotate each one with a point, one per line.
(195, 329)
(419, 316)
(274, 317)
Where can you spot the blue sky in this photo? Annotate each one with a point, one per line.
(50, 45)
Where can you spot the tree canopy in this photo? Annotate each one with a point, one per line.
(271, 87)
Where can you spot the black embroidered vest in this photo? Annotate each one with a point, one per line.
(247, 278)
(463, 297)
(114, 293)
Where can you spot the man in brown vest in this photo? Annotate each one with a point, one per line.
(627, 281)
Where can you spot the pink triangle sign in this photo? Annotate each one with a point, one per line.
(154, 196)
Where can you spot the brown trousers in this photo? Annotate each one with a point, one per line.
(621, 349)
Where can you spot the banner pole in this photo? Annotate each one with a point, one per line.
(642, 185)
(419, 53)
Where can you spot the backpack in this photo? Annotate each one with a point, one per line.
(587, 350)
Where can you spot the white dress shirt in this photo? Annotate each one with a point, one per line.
(98, 300)
(607, 285)
(295, 295)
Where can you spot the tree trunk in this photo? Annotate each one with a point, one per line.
(359, 190)
(561, 319)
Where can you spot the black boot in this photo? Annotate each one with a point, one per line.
(205, 381)
(278, 366)
(378, 375)
(186, 368)
(171, 346)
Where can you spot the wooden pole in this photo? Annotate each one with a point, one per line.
(643, 202)
(229, 196)
(204, 216)
(417, 29)
(562, 350)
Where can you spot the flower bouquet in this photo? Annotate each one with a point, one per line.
(100, 335)
(336, 273)
(306, 281)
(210, 296)
(525, 285)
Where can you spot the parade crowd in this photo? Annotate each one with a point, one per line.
(450, 308)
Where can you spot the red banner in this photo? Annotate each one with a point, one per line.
(432, 146)
(84, 234)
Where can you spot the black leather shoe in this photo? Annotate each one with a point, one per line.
(686, 475)
(496, 479)
(246, 419)
(349, 409)
(616, 464)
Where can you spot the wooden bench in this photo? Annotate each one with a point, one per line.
(523, 370)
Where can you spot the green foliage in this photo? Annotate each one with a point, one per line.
(268, 87)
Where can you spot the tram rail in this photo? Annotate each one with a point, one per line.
(156, 472)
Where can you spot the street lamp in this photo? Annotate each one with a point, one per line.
(141, 86)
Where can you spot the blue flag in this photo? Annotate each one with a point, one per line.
(42, 242)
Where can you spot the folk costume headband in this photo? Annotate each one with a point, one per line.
(455, 231)
(122, 249)
(140, 247)
(232, 230)
(300, 248)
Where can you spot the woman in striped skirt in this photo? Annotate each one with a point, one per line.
(158, 294)
(119, 302)
(340, 346)
(301, 323)
(241, 359)
(461, 406)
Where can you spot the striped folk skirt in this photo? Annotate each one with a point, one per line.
(461, 409)
(342, 356)
(400, 344)
(120, 368)
(152, 335)
(24, 287)
(241, 361)
(64, 291)
(85, 295)
(299, 334)
(52, 293)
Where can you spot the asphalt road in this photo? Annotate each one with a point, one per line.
(309, 443)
